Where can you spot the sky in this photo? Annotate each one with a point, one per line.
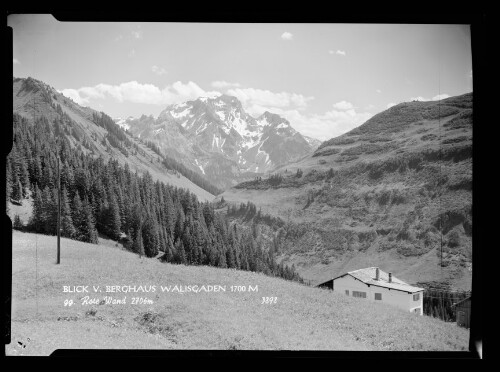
(325, 79)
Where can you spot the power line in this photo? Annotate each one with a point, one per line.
(448, 292)
(36, 271)
(58, 208)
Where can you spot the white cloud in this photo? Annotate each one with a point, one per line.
(132, 53)
(440, 97)
(324, 126)
(370, 107)
(257, 100)
(158, 70)
(339, 52)
(287, 36)
(119, 37)
(15, 61)
(435, 98)
(75, 96)
(135, 92)
(221, 84)
(343, 105)
(378, 91)
(342, 118)
(423, 99)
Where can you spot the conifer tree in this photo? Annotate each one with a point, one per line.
(113, 219)
(221, 259)
(128, 241)
(150, 237)
(179, 225)
(48, 212)
(17, 188)
(230, 259)
(77, 217)
(170, 249)
(138, 246)
(88, 229)
(47, 175)
(212, 257)
(180, 252)
(8, 185)
(170, 216)
(17, 224)
(169, 254)
(67, 228)
(37, 217)
(24, 177)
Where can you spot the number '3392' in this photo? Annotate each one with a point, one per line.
(269, 300)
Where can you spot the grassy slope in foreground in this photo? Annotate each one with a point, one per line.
(304, 318)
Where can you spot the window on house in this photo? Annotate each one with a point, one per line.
(359, 294)
(347, 292)
(416, 297)
(378, 296)
(416, 310)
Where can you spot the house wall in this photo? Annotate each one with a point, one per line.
(401, 299)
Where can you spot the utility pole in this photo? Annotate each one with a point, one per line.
(58, 211)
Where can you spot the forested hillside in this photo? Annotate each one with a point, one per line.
(99, 196)
(95, 133)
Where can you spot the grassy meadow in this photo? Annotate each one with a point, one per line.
(301, 317)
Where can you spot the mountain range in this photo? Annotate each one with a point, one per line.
(395, 192)
(219, 139)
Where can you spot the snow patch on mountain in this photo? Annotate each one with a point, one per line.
(313, 142)
(181, 114)
(201, 128)
(221, 115)
(262, 122)
(259, 151)
(249, 142)
(218, 142)
(122, 123)
(199, 166)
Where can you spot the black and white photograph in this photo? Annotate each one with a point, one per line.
(240, 186)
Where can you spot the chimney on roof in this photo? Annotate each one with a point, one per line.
(377, 274)
(390, 277)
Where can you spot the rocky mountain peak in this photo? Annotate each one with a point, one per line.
(216, 136)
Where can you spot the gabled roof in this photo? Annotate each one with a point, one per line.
(368, 275)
